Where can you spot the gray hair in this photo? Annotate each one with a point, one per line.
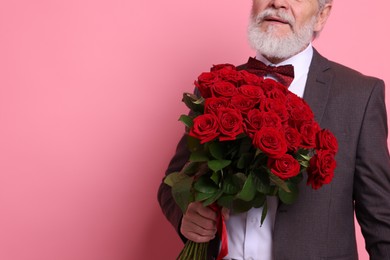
(322, 3)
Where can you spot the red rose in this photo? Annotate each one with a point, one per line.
(205, 80)
(229, 75)
(253, 122)
(309, 132)
(321, 169)
(271, 141)
(212, 104)
(278, 95)
(326, 141)
(223, 89)
(256, 119)
(293, 138)
(250, 79)
(284, 167)
(271, 119)
(230, 123)
(205, 128)
(270, 84)
(275, 106)
(252, 91)
(242, 103)
(222, 66)
(298, 109)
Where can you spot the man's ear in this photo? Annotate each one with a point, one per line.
(322, 17)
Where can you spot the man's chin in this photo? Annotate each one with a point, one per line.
(277, 33)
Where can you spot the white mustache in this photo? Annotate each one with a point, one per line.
(274, 13)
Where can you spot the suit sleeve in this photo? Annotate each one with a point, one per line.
(168, 205)
(372, 177)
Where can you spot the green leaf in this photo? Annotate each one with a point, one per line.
(193, 102)
(244, 161)
(216, 150)
(213, 198)
(260, 160)
(264, 212)
(187, 120)
(305, 164)
(258, 152)
(216, 177)
(217, 165)
(231, 148)
(226, 200)
(279, 182)
(240, 206)
(291, 196)
(199, 196)
(181, 189)
(199, 156)
(305, 153)
(205, 185)
(305, 157)
(259, 200)
(191, 168)
(172, 178)
(193, 144)
(261, 180)
(240, 178)
(248, 191)
(231, 184)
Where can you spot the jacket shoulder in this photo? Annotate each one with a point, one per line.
(342, 74)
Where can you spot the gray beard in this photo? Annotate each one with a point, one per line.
(285, 47)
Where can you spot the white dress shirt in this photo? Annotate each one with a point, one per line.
(247, 240)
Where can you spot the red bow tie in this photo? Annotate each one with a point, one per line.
(284, 74)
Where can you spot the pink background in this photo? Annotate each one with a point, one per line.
(90, 95)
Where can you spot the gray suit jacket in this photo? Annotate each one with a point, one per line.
(320, 224)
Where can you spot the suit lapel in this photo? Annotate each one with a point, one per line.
(318, 85)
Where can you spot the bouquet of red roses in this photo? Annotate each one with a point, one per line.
(249, 138)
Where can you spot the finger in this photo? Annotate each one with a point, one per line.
(195, 226)
(193, 218)
(198, 238)
(195, 232)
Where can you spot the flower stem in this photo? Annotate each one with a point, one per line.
(193, 251)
